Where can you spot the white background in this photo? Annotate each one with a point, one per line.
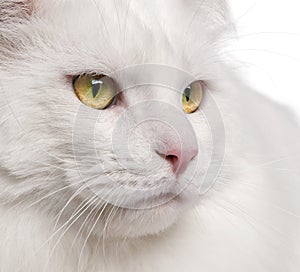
(269, 47)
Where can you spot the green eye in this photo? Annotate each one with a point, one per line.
(95, 91)
(192, 97)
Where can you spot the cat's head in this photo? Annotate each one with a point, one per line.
(106, 103)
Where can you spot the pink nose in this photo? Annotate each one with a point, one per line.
(179, 159)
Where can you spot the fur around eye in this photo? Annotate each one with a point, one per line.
(95, 91)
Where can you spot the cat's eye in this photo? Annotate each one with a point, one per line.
(192, 97)
(95, 91)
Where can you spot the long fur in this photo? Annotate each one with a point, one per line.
(52, 220)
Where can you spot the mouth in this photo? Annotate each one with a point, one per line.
(149, 216)
(154, 203)
(164, 199)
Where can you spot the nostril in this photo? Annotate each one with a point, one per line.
(178, 159)
(172, 159)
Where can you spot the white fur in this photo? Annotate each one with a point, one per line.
(249, 220)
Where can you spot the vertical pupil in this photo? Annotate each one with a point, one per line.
(187, 94)
(96, 85)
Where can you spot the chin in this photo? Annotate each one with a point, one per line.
(135, 223)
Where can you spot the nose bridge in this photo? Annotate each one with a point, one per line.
(178, 148)
(172, 138)
(151, 92)
(169, 131)
(166, 94)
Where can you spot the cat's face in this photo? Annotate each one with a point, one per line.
(142, 158)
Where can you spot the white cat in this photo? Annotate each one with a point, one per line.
(128, 144)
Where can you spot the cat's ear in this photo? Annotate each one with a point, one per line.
(13, 15)
(11, 10)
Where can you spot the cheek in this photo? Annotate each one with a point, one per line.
(38, 127)
(199, 169)
(203, 131)
(93, 135)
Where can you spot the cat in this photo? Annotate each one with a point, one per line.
(129, 143)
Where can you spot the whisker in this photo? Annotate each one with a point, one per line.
(119, 23)
(51, 237)
(25, 199)
(51, 194)
(125, 26)
(89, 204)
(90, 232)
(82, 225)
(77, 192)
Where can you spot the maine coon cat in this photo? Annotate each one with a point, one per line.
(127, 143)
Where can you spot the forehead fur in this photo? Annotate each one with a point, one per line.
(119, 33)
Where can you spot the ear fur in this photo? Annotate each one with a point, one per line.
(15, 10)
(13, 15)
